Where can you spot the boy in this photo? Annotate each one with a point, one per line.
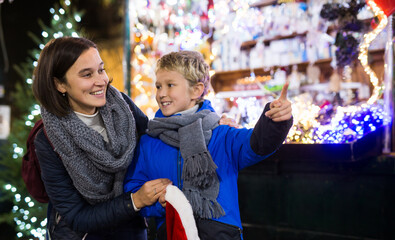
(198, 156)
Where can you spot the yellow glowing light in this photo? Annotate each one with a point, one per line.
(139, 85)
(137, 78)
(144, 37)
(211, 72)
(140, 26)
(363, 52)
(142, 58)
(137, 49)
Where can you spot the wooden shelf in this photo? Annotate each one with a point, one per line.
(264, 3)
(250, 44)
(224, 80)
(376, 55)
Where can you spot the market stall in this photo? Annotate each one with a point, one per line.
(337, 64)
(338, 58)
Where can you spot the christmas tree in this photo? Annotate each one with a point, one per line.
(28, 215)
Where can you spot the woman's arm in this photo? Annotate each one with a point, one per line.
(139, 116)
(137, 178)
(76, 211)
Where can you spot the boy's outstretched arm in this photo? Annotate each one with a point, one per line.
(272, 127)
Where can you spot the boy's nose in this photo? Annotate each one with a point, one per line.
(161, 93)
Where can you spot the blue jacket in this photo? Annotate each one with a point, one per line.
(70, 216)
(230, 149)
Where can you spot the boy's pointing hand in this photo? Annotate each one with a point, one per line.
(280, 109)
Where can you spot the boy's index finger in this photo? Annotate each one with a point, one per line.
(284, 91)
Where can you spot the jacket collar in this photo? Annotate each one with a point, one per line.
(206, 104)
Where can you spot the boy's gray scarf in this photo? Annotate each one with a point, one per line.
(97, 168)
(192, 133)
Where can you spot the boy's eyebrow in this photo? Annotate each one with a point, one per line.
(169, 80)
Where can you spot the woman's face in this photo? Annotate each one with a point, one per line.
(86, 83)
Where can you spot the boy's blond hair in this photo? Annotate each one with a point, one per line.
(190, 64)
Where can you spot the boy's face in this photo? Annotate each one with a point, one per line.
(173, 93)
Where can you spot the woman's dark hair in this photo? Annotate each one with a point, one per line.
(55, 60)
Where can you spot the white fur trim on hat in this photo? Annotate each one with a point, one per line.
(177, 199)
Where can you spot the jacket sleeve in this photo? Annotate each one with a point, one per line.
(246, 147)
(76, 211)
(139, 116)
(136, 176)
(268, 135)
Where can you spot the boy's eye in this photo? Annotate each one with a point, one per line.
(157, 87)
(170, 85)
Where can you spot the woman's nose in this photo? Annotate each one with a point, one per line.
(101, 80)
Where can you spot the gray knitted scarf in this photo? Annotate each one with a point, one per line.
(191, 134)
(96, 167)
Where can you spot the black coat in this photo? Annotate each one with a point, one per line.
(70, 216)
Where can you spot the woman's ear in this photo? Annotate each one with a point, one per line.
(59, 85)
(198, 90)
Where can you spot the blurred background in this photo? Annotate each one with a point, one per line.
(334, 176)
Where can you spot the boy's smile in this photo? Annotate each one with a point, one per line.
(173, 93)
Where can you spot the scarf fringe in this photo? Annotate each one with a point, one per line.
(203, 207)
(200, 169)
(191, 134)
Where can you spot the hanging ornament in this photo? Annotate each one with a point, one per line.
(347, 50)
(330, 11)
(347, 25)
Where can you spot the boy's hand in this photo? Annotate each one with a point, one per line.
(150, 192)
(280, 109)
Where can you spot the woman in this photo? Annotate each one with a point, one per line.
(91, 130)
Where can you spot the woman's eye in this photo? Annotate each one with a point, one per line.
(87, 75)
(157, 87)
(102, 70)
(171, 85)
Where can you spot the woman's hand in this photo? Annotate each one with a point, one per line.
(280, 109)
(225, 120)
(162, 200)
(150, 192)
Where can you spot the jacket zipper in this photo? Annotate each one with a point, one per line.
(179, 170)
(232, 226)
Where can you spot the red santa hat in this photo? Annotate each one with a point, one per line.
(180, 223)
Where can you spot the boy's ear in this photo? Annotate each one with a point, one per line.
(59, 85)
(198, 90)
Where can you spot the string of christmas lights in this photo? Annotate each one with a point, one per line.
(363, 53)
